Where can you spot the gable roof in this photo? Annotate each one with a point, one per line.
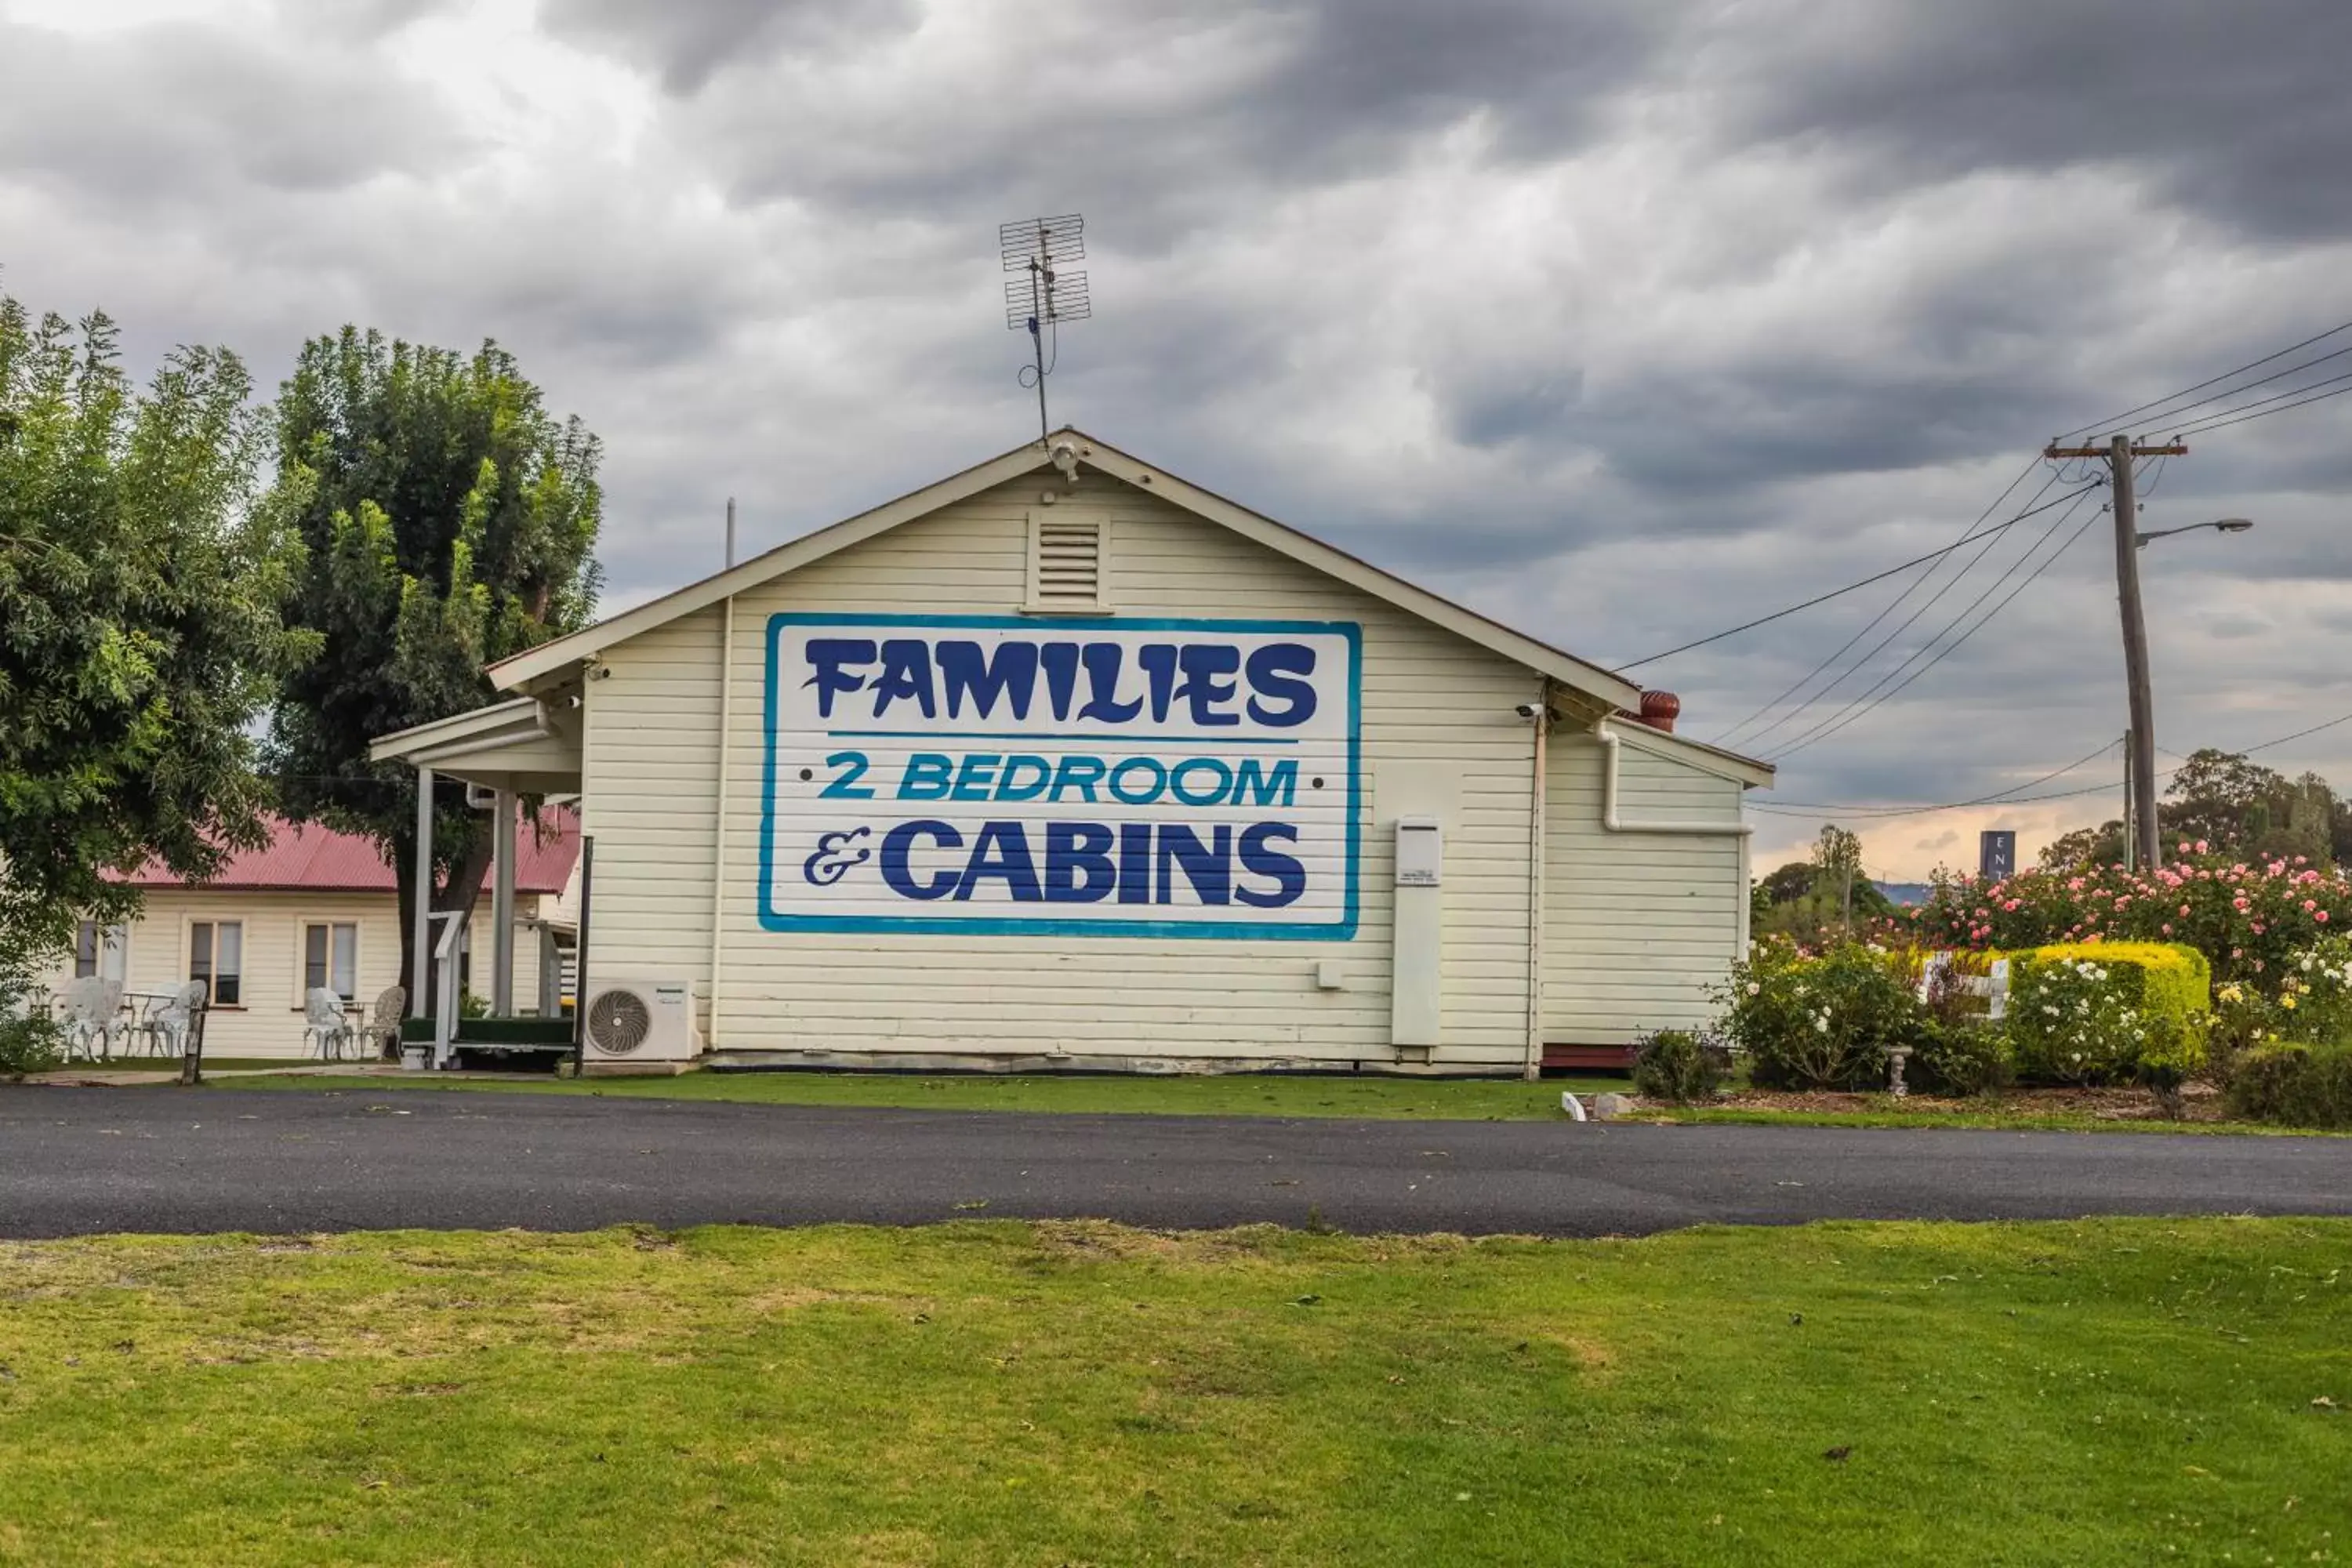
(305, 856)
(526, 670)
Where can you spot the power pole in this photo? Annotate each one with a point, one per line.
(2131, 840)
(2120, 453)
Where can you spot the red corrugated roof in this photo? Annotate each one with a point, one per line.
(308, 857)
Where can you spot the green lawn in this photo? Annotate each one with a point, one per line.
(2116, 1392)
(1226, 1094)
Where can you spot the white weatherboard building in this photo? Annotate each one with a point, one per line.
(1063, 762)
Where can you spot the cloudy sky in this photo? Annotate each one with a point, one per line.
(1625, 320)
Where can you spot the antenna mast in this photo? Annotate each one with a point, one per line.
(1046, 295)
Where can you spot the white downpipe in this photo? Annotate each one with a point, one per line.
(719, 825)
(1613, 823)
(1533, 1067)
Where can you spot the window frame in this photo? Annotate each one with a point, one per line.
(303, 926)
(212, 961)
(116, 936)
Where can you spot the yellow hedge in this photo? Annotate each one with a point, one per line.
(2170, 985)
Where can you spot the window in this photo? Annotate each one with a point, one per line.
(98, 950)
(1065, 562)
(330, 958)
(216, 957)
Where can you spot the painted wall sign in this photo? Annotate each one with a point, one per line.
(1112, 777)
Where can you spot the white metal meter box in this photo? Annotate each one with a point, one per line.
(1419, 852)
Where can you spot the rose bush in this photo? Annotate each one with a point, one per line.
(1822, 1021)
(2247, 916)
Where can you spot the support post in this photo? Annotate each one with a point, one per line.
(502, 894)
(420, 924)
(580, 955)
(2148, 855)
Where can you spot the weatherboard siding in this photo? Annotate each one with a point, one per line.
(268, 1020)
(1638, 927)
(1428, 696)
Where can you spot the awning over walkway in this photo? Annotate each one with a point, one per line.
(523, 747)
(529, 745)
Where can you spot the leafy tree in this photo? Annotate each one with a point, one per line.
(1808, 899)
(451, 522)
(139, 634)
(1791, 883)
(2222, 798)
(2086, 848)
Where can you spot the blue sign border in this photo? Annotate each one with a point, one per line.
(1342, 929)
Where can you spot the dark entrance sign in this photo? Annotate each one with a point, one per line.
(1996, 855)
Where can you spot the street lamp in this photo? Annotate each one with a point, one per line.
(2223, 525)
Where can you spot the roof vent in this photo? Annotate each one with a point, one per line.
(1066, 562)
(1660, 710)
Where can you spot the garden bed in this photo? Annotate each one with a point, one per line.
(2199, 1102)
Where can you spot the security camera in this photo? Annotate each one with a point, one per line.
(1064, 454)
(1526, 711)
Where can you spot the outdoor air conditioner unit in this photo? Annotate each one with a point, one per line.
(639, 1026)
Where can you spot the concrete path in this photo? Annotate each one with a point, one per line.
(80, 1160)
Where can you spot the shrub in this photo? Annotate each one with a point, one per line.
(2090, 1013)
(2294, 1085)
(1962, 1056)
(30, 1040)
(1679, 1066)
(1822, 1022)
(2248, 916)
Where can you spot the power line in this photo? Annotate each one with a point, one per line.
(2115, 421)
(1803, 808)
(1850, 587)
(1848, 714)
(2221, 424)
(1999, 797)
(2172, 418)
(1757, 738)
(1725, 737)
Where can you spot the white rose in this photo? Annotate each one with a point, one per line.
(1753, 988)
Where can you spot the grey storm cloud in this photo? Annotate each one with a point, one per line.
(1623, 320)
(2237, 110)
(1145, 103)
(184, 113)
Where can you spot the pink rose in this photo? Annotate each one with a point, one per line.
(2321, 916)
(2168, 928)
(2258, 928)
(2201, 847)
(2184, 847)
(2184, 909)
(2309, 905)
(2238, 903)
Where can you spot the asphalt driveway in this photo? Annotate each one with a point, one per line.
(84, 1161)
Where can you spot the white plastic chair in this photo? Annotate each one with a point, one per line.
(324, 1022)
(166, 1028)
(92, 1006)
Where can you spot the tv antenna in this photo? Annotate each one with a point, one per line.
(1049, 295)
